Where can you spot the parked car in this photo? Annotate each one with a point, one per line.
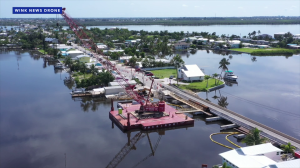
(171, 77)
(149, 74)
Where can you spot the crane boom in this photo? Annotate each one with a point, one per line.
(88, 42)
(125, 150)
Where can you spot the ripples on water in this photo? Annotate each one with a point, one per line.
(40, 122)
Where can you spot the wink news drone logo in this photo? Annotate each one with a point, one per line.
(37, 10)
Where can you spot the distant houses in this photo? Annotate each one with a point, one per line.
(181, 46)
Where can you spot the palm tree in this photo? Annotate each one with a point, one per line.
(223, 102)
(68, 61)
(254, 138)
(206, 77)
(223, 64)
(230, 56)
(225, 165)
(177, 61)
(288, 148)
(215, 75)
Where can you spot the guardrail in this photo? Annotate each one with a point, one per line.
(188, 95)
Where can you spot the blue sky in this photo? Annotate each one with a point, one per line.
(150, 8)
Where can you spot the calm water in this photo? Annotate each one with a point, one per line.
(40, 122)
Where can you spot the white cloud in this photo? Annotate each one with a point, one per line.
(184, 5)
(197, 6)
(266, 7)
(240, 7)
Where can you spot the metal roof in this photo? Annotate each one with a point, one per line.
(192, 71)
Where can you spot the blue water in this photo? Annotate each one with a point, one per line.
(40, 122)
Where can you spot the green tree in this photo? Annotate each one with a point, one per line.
(223, 64)
(68, 61)
(177, 61)
(132, 61)
(225, 165)
(254, 138)
(288, 148)
(83, 68)
(206, 77)
(222, 101)
(215, 75)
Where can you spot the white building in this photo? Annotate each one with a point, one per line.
(125, 58)
(234, 43)
(74, 53)
(102, 47)
(190, 73)
(131, 82)
(258, 156)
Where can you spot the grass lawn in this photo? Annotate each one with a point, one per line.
(80, 77)
(164, 73)
(250, 50)
(201, 86)
(268, 51)
(42, 51)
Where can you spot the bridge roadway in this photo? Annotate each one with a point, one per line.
(270, 133)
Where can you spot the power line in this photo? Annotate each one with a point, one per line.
(264, 106)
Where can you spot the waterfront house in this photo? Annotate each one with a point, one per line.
(257, 156)
(293, 46)
(61, 47)
(262, 46)
(190, 73)
(234, 43)
(84, 58)
(181, 46)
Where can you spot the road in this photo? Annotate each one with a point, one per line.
(229, 115)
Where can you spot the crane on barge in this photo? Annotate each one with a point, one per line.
(146, 105)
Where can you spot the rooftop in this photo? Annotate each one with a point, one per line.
(192, 71)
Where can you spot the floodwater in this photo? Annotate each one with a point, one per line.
(42, 126)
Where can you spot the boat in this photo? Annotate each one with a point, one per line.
(59, 66)
(229, 75)
(77, 91)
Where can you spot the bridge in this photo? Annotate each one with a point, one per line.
(270, 133)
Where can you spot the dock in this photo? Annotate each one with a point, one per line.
(238, 119)
(168, 119)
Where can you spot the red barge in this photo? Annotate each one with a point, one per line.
(128, 118)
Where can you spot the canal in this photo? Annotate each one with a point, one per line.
(42, 126)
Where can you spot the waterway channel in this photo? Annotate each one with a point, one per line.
(42, 126)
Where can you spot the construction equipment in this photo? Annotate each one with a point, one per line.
(131, 145)
(146, 105)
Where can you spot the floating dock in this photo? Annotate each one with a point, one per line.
(148, 121)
